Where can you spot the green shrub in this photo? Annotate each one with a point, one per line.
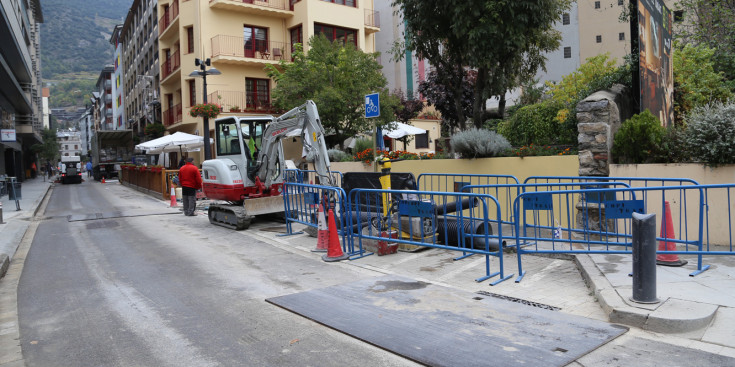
(477, 143)
(710, 133)
(536, 124)
(336, 155)
(363, 144)
(639, 139)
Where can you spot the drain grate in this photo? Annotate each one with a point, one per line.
(518, 300)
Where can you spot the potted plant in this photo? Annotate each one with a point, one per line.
(235, 108)
(210, 110)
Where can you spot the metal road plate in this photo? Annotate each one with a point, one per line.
(442, 326)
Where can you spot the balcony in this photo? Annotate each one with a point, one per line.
(238, 102)
(173, 115)
(168, 18)
(372, 21)
(171, 65)
(232, 50)
(269, 8)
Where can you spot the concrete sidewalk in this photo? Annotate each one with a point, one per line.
(16, 222)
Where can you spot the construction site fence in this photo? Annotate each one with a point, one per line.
(301, 205)
(701, 216)
(310, 177)
(419, 219)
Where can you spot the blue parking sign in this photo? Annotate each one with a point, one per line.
(372, 105)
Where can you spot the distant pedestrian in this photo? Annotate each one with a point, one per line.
(191, 181)
(89, 168)
(182, 162)
(33, 169)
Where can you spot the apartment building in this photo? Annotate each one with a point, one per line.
(70, 143)
(118, 110)
(241, 38)
(140, 65)
(103, 117)
(21, 115)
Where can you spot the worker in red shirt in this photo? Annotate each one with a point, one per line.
(191, 181)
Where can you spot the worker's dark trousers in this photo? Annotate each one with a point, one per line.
(189, 197)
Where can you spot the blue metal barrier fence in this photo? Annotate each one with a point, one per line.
(443, 220)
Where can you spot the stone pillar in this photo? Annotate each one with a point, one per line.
(598, 118)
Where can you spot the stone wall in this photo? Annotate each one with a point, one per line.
(599, 117)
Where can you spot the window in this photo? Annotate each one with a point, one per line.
(190, 39)
(565, 19)
(678, 16)
(597, 4)
(621, 36)
(422, 141)
(296, 36)
(598, 39)
(257, 93)
(351, 3)
(256, 40)
(567, 52)
(192, 92)
(336, 34)
(620, 2)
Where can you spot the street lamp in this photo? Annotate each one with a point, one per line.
(203, 72)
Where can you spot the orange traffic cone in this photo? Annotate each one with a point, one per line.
(667, 231)
(334, 253)
(173, 197)
(322, 241)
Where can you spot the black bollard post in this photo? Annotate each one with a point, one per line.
(644, 258)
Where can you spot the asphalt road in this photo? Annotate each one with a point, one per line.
(168, 290)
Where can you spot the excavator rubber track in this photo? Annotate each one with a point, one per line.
(229, 216)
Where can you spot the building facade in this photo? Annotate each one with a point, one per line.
(104, 120)
(70, 143)
(119, 121)
(21, 115)
(140, 66)
(241, 38)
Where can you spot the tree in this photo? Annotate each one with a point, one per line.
(710, 23)
(48, 150)
(154, 131)
(408, 107)
(503, 40)
(695, 81)
(444, 98)
(336, 77)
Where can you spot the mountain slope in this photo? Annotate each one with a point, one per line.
(75, 37)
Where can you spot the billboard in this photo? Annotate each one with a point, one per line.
(655, 62)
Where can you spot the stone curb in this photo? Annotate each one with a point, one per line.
(669, 316)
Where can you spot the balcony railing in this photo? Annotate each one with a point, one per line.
(170, 65)
(275, 4)
(372, 18)
(173, 115)
(235, 102)
(223, 45)
(168, 16)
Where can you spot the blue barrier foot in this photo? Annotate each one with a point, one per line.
(520, 277)
(462, 257)
(361, 256)
(289, 234)
(699, 271)
(486, 277)
(501, 280)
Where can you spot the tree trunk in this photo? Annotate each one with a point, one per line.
(501, 106)
(478, 103)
